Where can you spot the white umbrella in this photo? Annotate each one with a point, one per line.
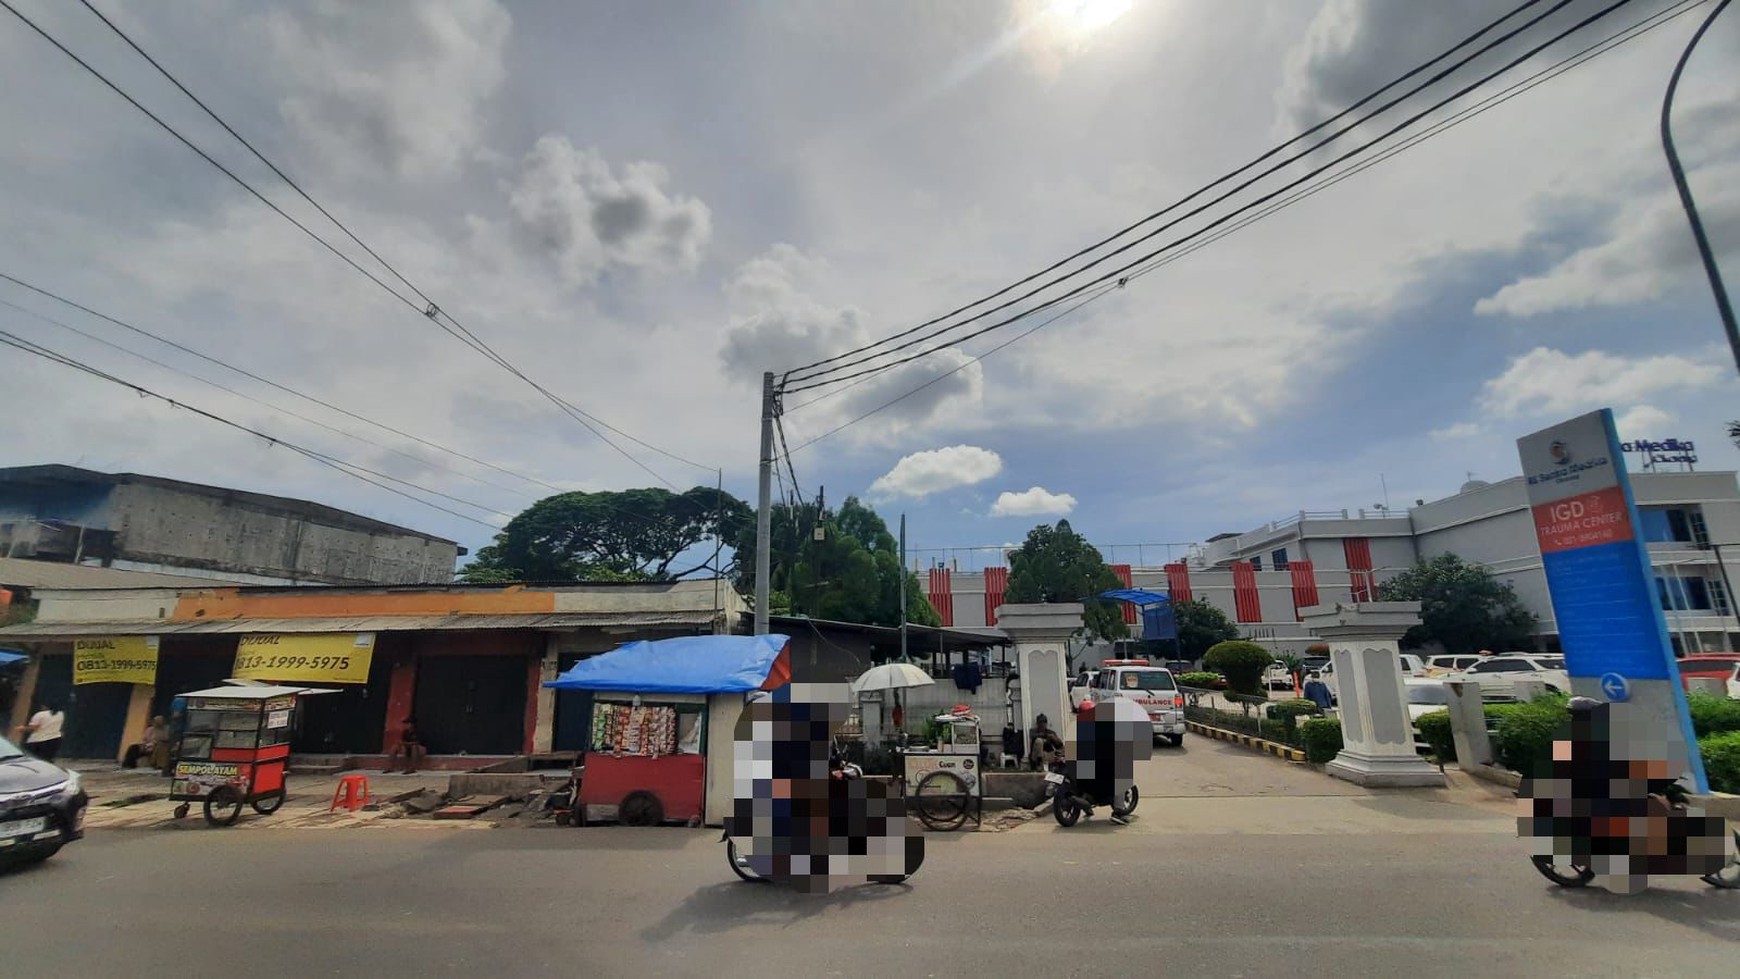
(891, 676)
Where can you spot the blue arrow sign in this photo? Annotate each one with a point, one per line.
(1615, 687)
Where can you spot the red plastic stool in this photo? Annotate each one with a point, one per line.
(352, 792)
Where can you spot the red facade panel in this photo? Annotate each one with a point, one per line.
(1359, 569)
(1124, 577)
(942, 596)
(1246, 603)
(996, 586)
(1304, 586)
(1178, 582)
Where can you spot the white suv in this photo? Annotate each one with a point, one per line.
(1497, 674)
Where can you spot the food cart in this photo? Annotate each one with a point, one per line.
(233, 750)
(944, 784)
(649, 758)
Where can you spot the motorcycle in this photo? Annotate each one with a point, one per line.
(1579, 873)
(839, 769)
(1070, 804)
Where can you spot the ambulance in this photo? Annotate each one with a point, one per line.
(1150, 687)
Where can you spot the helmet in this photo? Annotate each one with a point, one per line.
(1580, 704)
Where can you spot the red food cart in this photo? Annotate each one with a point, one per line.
(233, 750)
(649, 756)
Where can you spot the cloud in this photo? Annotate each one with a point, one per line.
(1649, 252)
(1460, 430)
(780, 325)
(1643, 422)
(570, 204)
(1034, 502)
(394, 86)
(1551, 381)
(922, 473)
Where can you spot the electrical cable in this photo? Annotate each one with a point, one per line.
(333, 462)
(811, 380)
(1260, 201)
(1185, 200)
(429, 310)
(1519, 88)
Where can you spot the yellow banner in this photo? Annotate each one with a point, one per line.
(115, 659)
(325, 657)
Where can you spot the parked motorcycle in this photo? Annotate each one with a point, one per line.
(1070, 803)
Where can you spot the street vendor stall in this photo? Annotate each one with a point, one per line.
(233, 750)
(944, 784)
(651, 754)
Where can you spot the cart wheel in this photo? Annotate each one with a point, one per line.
(223, 807)
(266, 805)
(640, 808)
(181, 811)
(941, 801)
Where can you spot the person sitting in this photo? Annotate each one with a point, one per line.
(145, 748)
(410, 746)
(1047, 745)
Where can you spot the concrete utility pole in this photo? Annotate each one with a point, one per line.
(764, 510)
(903, 588)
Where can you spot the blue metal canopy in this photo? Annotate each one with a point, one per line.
(689, 664)
(1136, 596)
(12, 656)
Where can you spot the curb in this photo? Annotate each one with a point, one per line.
(1286, 752)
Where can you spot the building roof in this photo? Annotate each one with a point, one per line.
(963, 636)
(51, 631)
(50, 475)
(32, 574)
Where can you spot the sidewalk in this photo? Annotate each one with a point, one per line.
(138, 799)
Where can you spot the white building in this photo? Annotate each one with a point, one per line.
(1260, 578)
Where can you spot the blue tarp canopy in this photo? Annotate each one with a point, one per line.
(690, 664)
(1136, 596)
(12, 656)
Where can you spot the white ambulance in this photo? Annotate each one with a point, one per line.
(1151, 687)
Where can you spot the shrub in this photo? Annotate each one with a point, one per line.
(1200, 679)
(1288, 712)
(1713, 715)
(1317, 649)
(1241, 662)
(1722, 760)
(1322, 739)
(1524, 739)
(1435, 728)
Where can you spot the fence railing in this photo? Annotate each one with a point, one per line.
(1252, 714)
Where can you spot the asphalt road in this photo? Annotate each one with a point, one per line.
(1341, 881)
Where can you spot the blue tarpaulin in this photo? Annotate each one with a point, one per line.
(12, 656)
(1136, 596)
(690, 664)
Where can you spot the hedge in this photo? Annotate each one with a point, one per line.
(1242, 663)
(1712, 714)
(1322, 739)
(1229, 720)
(1435, 728)
(1524, 738)
(1205, 681)
(1722, 760)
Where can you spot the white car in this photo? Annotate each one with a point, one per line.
(1498, 674)
(1277, 677)
(1424, 696)
(1734, 683)
(1440, 665)
(1082, 687)
(1411, 665)
(1151, 688)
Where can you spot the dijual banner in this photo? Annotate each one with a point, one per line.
(115, 659)
(326, 657)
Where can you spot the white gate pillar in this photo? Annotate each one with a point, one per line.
(1041, 635)
(1376, 732)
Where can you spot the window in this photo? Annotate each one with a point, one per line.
(1719, 599)
(1684, 594)
(1147, 680)
(1669, 524)
(1256, 562)
(1280, 559)
(1428, 694)
(1502, 666)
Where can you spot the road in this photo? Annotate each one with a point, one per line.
(1228, 870)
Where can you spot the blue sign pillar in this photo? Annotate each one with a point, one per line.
(1598, 571)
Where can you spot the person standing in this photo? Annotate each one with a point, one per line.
(44, 731)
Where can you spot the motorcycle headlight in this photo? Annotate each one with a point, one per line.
(70, 787)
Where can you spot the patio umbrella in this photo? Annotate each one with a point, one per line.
(891, 676)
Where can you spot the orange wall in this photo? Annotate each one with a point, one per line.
(230, 603)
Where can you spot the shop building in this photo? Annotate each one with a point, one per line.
(466, 661)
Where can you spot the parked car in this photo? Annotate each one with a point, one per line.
(1499, 673)
(42, 806)
(1277, 677)
(1425, 695)
(1440, 665)
(1715, 666)
(1082, 687)
(1411, 666)
(1151, 687)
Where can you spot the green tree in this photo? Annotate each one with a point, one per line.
(1241, 662)
(852, 574)
(1200, 626)
(1462, 606)
(1056, 564)
(632, 535)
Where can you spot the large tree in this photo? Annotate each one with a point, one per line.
(1200, 626)
(1462, 606)
(635, 535)
(852, 574)
(1056, 564)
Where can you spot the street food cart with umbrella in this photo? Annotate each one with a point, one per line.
(660, 745)
(234, 749)
(889, 676)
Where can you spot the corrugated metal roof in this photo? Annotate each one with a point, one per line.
(356, 623)
(27, 573)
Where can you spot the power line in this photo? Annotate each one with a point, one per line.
(332, 462)
(429, 310)
(1120, 272)
(812, 379)
(1589, 53)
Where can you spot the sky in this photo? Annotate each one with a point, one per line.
(643, 207)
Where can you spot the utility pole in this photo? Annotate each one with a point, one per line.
(764, 509)
(903, 588)
(818, 533)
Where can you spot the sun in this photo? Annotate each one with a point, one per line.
(1089, 16)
